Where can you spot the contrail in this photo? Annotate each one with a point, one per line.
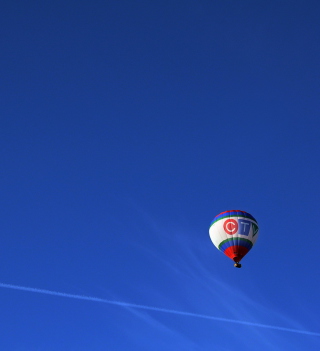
(151, 308)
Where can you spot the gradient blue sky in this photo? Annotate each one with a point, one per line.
(125, 127)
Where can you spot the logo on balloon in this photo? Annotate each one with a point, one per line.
(255, 229)
(230, 226)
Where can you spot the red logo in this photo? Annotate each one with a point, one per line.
(230, 226)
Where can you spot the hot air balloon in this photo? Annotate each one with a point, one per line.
(234, 233)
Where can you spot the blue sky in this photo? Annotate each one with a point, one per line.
(125, 128)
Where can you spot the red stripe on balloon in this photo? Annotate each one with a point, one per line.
(236, 253)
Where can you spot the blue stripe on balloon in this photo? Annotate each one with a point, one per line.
(235, 242)
(235, 213)
(232, 214)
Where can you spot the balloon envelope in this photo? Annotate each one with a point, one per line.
(234, 233)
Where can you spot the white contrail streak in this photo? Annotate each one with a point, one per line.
(151, 308)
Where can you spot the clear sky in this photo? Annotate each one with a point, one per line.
(125, 128)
